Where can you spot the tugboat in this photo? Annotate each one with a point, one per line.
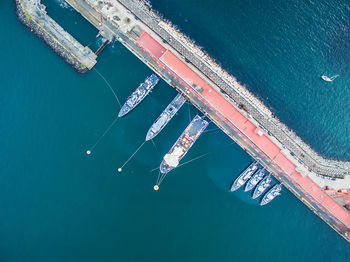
(271, 194)
(244, 176)
(165, 116)
(183, 144)
(256, 178)
(138, 95)
(262, 186)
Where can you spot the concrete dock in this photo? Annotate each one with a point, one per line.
(220, 97)
(33, 14)
(225, 101)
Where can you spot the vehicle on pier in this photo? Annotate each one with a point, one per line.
(255, 179)
(244, 176)
(262, 186)
(139, 94)
(271, 194)
(164, 118)
(183, 144)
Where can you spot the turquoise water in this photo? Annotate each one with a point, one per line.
(58, 204)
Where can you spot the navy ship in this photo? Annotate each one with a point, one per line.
(244, 176)
(262, 186)
(183, 144)
(138, 95)
(165, 116)
(271, 194)
(256, 178)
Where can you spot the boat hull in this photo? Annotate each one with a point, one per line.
(182, 145)
(254, 180)
(244, 176)
(261, 187)
(164, 118)
(271, 194)
(138, 95)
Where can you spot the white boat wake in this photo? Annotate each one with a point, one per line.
(329, 79)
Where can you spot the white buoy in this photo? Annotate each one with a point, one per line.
(88, 152)
(156, 187)
(120, 169)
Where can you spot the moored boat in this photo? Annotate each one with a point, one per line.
(244, 176)
(254, 180)
(271, 194)
(165, 116)
(183, 144)
(262, 186)
(139, 94)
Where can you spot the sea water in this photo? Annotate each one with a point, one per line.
(59, 204)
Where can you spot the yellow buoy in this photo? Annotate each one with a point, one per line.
(156, 187)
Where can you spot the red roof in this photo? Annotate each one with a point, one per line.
(150, 45)
(227, 111)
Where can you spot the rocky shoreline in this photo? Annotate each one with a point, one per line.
(301, 151)
(35, 28)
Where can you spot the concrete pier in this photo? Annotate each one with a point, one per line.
(33, 15)
(296, 147)
(222, 99)
(213, 91)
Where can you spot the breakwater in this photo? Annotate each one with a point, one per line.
(185, 67)
(297, 148)
(220, 97)
(33, 16)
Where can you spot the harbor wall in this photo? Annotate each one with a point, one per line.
(334, 219)
(31, 23)
(254, 107)
(233, 92)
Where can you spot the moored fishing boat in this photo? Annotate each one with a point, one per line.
(271, 194)
(255, 179)
(244, 176)
(262, 186)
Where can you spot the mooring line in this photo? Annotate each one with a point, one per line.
(110, 87)
(121, 168)
(194, 159)
(210, 130)
(100, 138)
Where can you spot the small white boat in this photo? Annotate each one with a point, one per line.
(329, 79)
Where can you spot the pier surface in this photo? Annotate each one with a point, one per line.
(227, 103)
(33, 14)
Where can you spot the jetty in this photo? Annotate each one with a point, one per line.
(225, 101)
(32, 13)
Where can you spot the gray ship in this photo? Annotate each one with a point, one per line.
(183, 144)
(138, 95)
(244, 176)
(271, 194)
(165, 116)
(256, 178)
(262, 186)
